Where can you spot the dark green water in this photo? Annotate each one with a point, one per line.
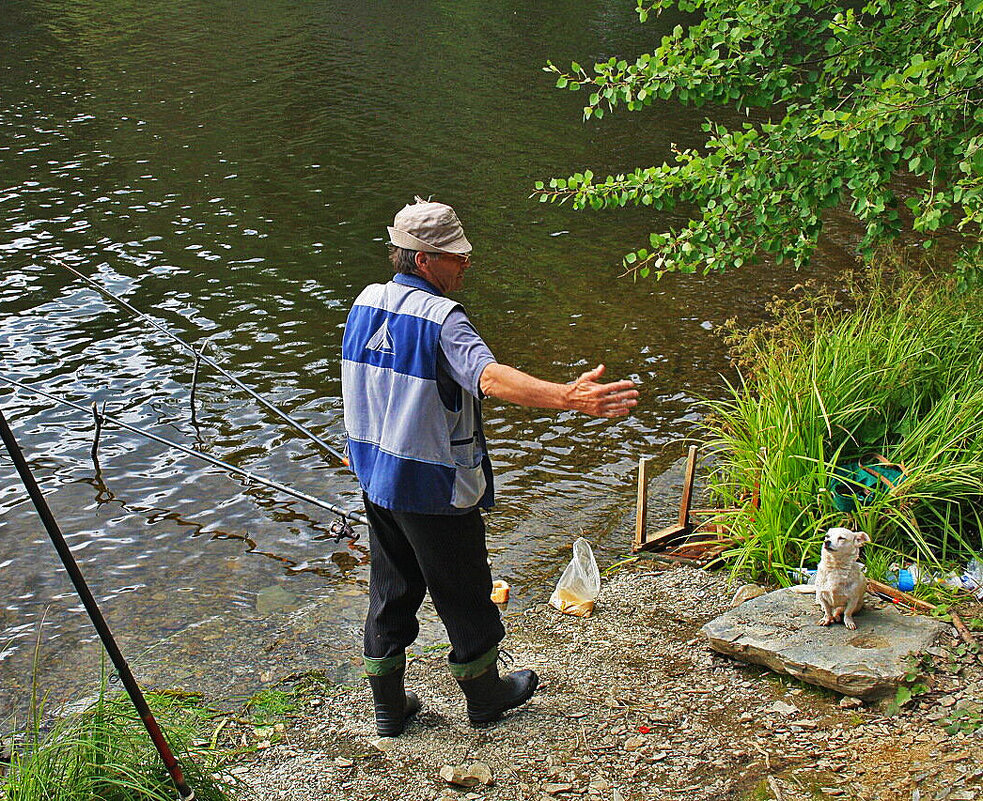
(230, 168)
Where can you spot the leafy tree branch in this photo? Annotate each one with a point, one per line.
(861, 97)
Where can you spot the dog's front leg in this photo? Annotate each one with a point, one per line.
(827, 608)
(849, 612)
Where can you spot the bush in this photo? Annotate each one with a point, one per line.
(892, 366)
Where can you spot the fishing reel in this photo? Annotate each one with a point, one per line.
(341, 529)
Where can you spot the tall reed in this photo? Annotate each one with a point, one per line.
(890, 366)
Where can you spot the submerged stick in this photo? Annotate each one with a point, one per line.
(98, 418)
(266, 482)
(82, 588)
(194, 379)
(199, 355)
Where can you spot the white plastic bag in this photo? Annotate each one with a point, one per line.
(580, 583)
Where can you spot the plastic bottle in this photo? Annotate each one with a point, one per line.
(906, 582)
(803, 575)
(972, 578)
(901, 578)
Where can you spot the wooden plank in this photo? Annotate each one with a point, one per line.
(659, 539)
(687, 500)
(641, 502)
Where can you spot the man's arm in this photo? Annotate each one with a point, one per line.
(583, 395)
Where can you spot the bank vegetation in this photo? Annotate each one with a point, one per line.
(860, 407)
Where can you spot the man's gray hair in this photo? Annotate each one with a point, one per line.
(402, 260)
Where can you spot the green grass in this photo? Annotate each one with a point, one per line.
(893, 365)
(271, 706)
(105, 754)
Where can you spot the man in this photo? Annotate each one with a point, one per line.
(414, 371)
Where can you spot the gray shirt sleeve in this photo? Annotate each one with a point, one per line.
(463, 353)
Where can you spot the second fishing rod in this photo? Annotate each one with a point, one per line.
(199, 355)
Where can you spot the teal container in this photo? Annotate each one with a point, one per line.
(855, 484)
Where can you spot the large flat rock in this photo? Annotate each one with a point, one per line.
(780, 630)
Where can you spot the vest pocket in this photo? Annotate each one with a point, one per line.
(469, 486)
(469, 477)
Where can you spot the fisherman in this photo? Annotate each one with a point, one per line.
(414, 372)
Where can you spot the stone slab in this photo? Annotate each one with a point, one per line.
(781, 631)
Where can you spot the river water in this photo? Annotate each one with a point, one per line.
(230, 168)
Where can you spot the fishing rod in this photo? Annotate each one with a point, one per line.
(200, 356)
(82, 588)
(266, 482)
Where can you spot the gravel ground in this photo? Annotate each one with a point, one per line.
(634, 705)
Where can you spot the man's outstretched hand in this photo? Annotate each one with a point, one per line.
(583, 395)
(602, 400)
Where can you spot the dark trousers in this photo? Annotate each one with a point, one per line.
(446, 554)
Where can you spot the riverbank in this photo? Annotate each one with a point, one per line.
(634, 705)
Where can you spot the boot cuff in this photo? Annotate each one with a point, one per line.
(384, 666)
(474, 668)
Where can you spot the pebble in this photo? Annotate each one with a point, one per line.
(384, 744)
(782, 708)
(746, 593)
(481, 772)
(467, 776)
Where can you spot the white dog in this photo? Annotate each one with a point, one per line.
(840, 580)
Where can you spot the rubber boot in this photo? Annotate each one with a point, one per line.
(393, 704)
(489, 696)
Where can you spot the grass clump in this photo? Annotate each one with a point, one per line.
(105, 754)
(271, 706)
(889, 369)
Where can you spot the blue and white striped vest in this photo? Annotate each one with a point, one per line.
(410, 452)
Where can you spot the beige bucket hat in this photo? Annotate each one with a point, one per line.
(428, 226)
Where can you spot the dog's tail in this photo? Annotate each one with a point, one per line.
(804, 589)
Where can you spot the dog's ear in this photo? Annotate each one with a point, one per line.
(861, 537)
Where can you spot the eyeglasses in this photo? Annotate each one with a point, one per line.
(463, 258)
